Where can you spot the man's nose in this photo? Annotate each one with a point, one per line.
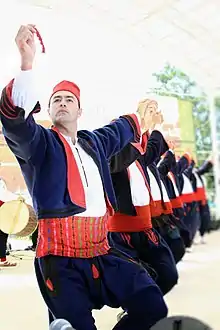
(63, 103)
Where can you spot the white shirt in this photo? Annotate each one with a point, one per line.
(199, 183)
(139, 192)
(187, 186)
(155, 190)
(174, 184)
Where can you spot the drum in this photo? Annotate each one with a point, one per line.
(181, 323)
(17, 218)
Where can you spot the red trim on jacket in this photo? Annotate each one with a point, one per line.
(7, 105)
(74, 182)
(8, 108)
(137, 124)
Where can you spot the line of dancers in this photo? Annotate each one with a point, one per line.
(116, 209)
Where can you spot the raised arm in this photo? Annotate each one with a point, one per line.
(18, 102)
(125, 157)
(189, 170)
(126, 129)
(183, 163)
(156, 147)
(166, 163)
(115, 136)
(151, 147)
(205, 167)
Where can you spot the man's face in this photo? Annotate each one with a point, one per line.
(64, 108)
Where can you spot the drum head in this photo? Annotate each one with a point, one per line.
(181, 323)
(14, 216)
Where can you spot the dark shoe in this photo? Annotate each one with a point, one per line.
(30, 248)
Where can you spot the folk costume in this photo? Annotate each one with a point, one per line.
(205, 215)
(162, 214)
(192, 221)
(182, 172)
(171, 183)
(130, 228)
(202, 210)
(73, 196)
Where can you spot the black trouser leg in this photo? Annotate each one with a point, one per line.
(34, 238)
(3, 244)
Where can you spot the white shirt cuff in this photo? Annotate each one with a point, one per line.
(24, 92)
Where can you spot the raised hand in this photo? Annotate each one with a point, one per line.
(26, 45)
(147, 109)
(157, 120)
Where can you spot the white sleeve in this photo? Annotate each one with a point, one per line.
(23, 91)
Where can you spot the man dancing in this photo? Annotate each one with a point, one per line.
(171, 183)
(205, 214)
(130, 229)
(68, 178)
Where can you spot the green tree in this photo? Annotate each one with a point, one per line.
(173, 82)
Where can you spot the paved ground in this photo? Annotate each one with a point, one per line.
(197, 294)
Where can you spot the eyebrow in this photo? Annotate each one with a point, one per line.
(66, 97)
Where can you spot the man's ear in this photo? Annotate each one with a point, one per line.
(79, 112)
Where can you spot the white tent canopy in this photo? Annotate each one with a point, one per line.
(110, 47)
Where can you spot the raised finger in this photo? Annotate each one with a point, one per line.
(31, 27)
(25, 28)
(25, 35)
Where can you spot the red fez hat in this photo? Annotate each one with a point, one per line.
(69, 87)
